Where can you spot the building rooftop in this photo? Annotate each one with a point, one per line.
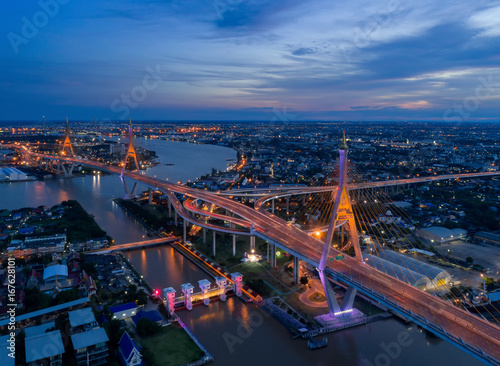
(39, 329)
(152, 315)
(34, 314)
(4, 352)
(89, 338)
(81, 317)
(123, 307)
(59, 269)
(44, 345)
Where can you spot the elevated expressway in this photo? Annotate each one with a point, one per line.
(469, 332)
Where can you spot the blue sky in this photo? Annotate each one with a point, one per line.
(251, 60)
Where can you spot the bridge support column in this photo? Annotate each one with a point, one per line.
(150, 196)
(234, 245)
(184, 230)
(303, 200)
(267, 251)
(128, 194)
(252, 243)
(204, 235)
(214, 242)
(333, 304)
(272, 206)
(296, 270)
(169, 208)
(287, 204)
(175, 218)
(348, 299)
(272, 262)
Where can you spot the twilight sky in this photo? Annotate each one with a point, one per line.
(247, 59)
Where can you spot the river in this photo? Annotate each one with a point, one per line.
(96, 193)
(234, 332)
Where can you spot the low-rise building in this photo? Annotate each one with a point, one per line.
(124, 311)
(440, 235)
(91, 347)
(44, 349)
(128, 352)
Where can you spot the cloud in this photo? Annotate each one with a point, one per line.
(302, 51)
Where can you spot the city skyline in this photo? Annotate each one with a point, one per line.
(247, 60)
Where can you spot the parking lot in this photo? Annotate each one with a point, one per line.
(486, 255)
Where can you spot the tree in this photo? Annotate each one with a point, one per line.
(146, 327)
(141, 297)
(114, 330)
(469, 260)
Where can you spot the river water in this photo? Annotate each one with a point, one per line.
(96, 193)
(234, 332)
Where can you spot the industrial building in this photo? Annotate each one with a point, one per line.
(440, 235)
(405, 268)
(12, 174)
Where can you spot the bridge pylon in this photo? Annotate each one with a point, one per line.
(67, 142)
(130, 154)
(342, 214)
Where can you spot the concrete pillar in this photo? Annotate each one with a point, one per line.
(184, 230)
(175, 218)
(237, 278)
(213, 243)
(187, 289)
(252, 243)
(267, 251)
(169, 207)
(296, 270)
(287, 204)
(204, 235)
(349, 296)
(221, 284)
(303, 200)
(342, 238)
(169, 295)
(234, 244)
(150, 196)
(272, 262)
(272, 206)
(205, 287)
